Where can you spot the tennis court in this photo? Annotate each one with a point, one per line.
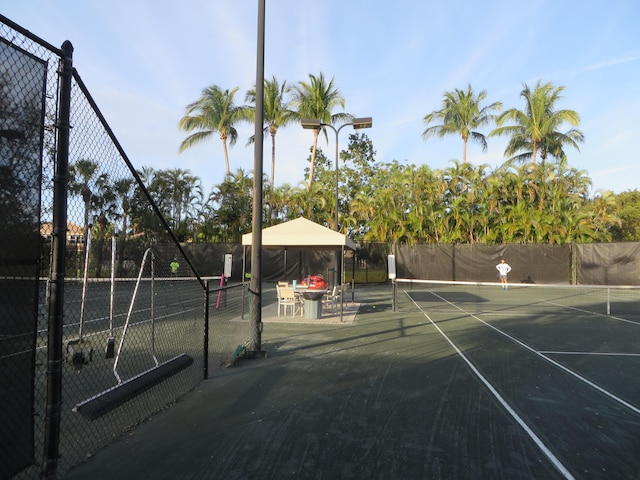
(456, 381)
(562, 361)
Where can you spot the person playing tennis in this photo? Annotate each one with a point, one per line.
(503, 269)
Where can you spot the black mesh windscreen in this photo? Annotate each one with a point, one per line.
(22, 80)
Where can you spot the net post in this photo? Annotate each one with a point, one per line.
(205, 354)
(391, 269)
(394, 294)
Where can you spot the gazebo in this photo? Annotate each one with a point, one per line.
(303, 233)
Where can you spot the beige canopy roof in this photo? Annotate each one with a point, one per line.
(301, 233)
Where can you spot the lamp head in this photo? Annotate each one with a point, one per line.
(311, 123)
(363, 122)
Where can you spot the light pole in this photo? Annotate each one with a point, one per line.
(315, 124)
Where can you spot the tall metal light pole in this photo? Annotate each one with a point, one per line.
(256, 222)
(315, 124)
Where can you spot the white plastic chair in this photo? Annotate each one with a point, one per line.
(287, 298)
(330, 299)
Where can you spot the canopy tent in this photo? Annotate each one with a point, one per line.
(301, 233)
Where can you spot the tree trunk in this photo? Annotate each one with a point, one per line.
(273, 160)
(226, 155)
(316, 133)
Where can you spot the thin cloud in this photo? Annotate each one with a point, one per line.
(612, 62)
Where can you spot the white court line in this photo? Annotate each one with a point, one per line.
(595, 313)
(552, 458)
(548, 359)
(606, 354)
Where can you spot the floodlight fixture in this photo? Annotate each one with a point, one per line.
(364, 122)
(311, 123)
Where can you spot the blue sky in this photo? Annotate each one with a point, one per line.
(145, 60)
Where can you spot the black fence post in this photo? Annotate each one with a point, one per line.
(58, 270)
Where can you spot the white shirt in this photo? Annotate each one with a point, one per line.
(503, 268)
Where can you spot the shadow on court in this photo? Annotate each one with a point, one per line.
(395, 395)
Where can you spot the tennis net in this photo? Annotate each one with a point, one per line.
(594, 299)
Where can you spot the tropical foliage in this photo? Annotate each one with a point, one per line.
(628, 204)
(397, 203)
(528, 201)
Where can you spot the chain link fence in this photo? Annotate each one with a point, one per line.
(103, 318)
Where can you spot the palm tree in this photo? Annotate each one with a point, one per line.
(604, 208)
(178, 195)
(308, 201)
(146, 174)
(83, 176)
(105, 205)
(234, 205)
(214, 112)
(277, 113)
(124, 191)
(536, 129)
(182, 192)
(317, 99)
(278, 204)
(462, 114)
